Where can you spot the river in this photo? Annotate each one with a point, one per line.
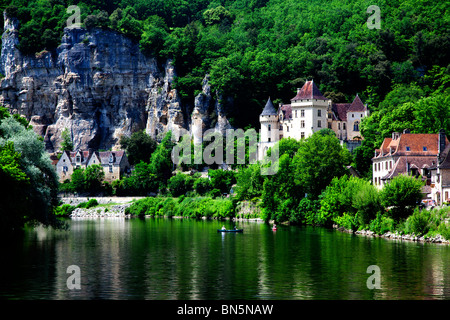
(183, 259)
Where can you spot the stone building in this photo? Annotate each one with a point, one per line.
(407, 153)
(308, 112)
(114, 163)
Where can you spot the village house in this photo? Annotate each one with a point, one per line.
(114, 163)
(408, 153)
(440, 173)
(309, 112)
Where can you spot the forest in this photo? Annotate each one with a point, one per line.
(253, 49)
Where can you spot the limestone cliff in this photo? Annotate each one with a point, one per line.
(100, 86)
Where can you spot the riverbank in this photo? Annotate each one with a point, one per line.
(114, 211)
(396, 236)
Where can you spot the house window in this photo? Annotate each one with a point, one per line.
(353, 115)
(302, 124)
(425, 149)
(319, 124)
(319, 113)
(408, 149)
(329, 125)
(287, 128)
(110, 168)
(339, 125)
(302, 113)
(268, 139)
(296, 113)
(78, 159)
(302, 135)
(269, 127)
(344, 126)
(374, 167)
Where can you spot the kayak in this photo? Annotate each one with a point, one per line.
(232, 230)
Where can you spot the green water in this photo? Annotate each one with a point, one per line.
(187, 259)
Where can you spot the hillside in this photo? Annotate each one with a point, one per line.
(253, 49)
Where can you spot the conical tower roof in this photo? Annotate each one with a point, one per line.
(357, 105)
(269, 109)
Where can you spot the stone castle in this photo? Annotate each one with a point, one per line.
(308, 112)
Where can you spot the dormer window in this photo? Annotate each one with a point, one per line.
(408, 149)
(425, 149)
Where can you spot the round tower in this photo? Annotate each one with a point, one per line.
(269, 132)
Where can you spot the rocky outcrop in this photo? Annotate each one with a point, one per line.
(100, 86)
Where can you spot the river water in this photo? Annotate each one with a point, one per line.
(183, 259)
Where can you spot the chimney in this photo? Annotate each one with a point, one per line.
(406, 131)
(441, 143)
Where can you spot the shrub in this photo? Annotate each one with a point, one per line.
(381, 224)
(91, 203)
(64, 210)
(347, 221)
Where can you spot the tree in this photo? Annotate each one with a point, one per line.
(180, 184)
(161, 164)
(93, 178)
(139, 147)
(36, 195)
(401, 195)
(66, 144)
(77, 178)
(318, 160)
(222, 179)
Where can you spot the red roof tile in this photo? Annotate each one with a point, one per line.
(357, 105)
(309, 91)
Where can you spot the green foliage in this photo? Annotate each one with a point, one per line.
(222, 179)
(382, 224)
(66, 144)
(180, 184)
(139, 147)
(26, 170)
(419, 222)
(249, 182)
(64, 210)
(202, 186)
(318, 160)
(185, 206)
(161, 164)
(401, 195)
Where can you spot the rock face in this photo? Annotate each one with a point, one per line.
(99, 86)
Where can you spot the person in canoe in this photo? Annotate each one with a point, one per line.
(223, 228)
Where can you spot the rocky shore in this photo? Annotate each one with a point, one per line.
(115, 211)
(397, 236)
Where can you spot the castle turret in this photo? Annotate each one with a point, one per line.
(269, 133)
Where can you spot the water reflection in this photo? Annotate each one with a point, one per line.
(187, 259)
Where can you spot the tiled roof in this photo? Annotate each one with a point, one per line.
(269, 109)
(357, 105)
(411, 144)
(340, 110)
(287, 111)
(415, 162)
(444, 162)
(309, 91)
(104, 156)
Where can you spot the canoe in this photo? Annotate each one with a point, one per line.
(232, 230)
